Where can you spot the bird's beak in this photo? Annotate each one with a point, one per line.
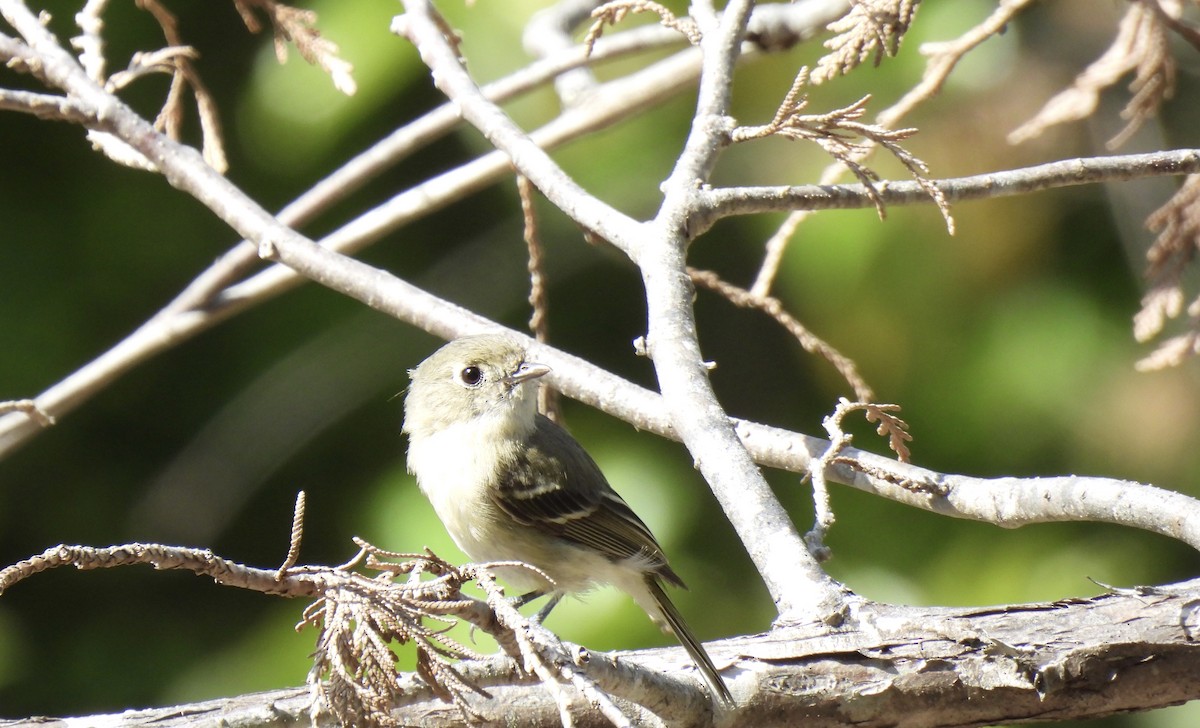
(527, 371)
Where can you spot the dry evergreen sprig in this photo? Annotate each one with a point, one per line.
(1141, 47)
(773, 307)
(611, 13)
(184, 76)
(297, 26)
(942, 59)
(871, 29)
(360, 618)
(890, 426)
(293, 554)
(845, 138)
(1178, 226)
(175, 59)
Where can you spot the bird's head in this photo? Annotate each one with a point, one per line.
(484, 376)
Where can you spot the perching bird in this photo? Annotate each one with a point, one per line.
(511, 485)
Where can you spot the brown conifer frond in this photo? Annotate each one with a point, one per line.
(843, 136)
(611, 13)
(1141, 47)
(1178, 226)
(891, 427)
(872, 29)
(360, 618)
(297, 26)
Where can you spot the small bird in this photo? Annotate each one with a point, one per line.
(511, 485)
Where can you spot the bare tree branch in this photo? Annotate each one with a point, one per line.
(936, 666)
(791, 573)
(45, 106)
(722, 202)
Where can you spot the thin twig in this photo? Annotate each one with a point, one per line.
(47, 106)
(90, 41)
(30, 408)
(945, 56)
(890, 426)
(773, 307)
(425, 28)
(723, 202)
(199, 561)
(539, 301)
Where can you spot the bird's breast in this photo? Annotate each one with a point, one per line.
(455, 467)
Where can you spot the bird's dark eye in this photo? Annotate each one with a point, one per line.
(471, 376)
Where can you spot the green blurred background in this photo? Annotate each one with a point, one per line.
(1008, 346)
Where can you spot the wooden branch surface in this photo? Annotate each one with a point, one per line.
(915, 667)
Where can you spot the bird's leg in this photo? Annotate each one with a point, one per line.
(544, 612)
(528, 597)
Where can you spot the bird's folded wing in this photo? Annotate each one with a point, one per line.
(554, 485)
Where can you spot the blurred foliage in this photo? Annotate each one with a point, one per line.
(1008, 346)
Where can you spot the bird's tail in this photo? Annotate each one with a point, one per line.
(694, 649)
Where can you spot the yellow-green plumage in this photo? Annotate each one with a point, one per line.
(510, 485)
